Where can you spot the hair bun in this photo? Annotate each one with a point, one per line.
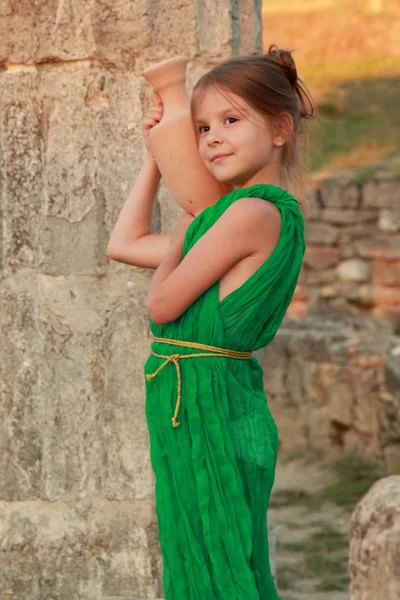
(284, 59)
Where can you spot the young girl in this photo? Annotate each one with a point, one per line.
(224, 280)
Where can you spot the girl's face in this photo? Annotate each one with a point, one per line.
(227, 125)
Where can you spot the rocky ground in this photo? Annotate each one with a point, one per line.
(312, 533)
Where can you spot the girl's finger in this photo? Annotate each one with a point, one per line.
(157, 117)
(154, 116)
(150, 124)
(156, 110)
(156, 98)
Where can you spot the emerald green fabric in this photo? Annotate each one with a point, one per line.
(214, 473)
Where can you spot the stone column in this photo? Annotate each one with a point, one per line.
(246, 26)
(76, 510)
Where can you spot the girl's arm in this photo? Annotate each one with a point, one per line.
(131, 241)
(250, 226)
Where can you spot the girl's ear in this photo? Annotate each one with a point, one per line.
(284, 126)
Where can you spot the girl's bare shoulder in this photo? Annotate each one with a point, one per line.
(254, 214)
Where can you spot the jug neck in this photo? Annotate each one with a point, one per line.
(174, 96)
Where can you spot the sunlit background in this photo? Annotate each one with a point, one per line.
(348, 53)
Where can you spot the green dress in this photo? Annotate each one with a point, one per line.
(214, 472)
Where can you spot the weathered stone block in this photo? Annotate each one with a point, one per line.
(340, 402)
(114, 31)
(316, 345)
(320, 233)
(316, 430)
(214, 28)
(386, 296)
(122, 31)
(390, 313)
(21, 437)
(170, 211)
(380, 246)
(313, 204)
(100, 402)
(88, 548)
(166, 37)
(275, 355)
(22, 185)
(389, 220)
(374, 543)
(249, 27)
(335, 195)
(319, 277)
(321, 257)
(356, 231)
(63, 357)
(45, 31)
(393, 371)
(348, 216)
(382, 194)
(385, 273)
(88, 238)
(56, 167)
(366, 390)
(330, 394)
(354, 270)
(354, 400)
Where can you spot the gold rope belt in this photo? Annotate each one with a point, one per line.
(174, 358)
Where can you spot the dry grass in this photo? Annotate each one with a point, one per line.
(348, 53)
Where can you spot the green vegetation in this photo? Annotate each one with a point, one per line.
(324, 558)
(318, 564)
(346, 54)
(355, 475)
(365, 173)
(323, 555)
(357, 105)
(287, 497)
(333, 584)
(326, 538)
(355, 128)
(286, 575)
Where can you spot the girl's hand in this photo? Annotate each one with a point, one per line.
(152, 118)
(178, 234)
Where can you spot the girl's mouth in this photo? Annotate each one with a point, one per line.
(220, 158)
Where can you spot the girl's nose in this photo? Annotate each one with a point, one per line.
(213, 136)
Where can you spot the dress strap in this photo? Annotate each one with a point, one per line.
(174, 358)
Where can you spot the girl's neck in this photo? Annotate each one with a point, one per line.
(272, 176)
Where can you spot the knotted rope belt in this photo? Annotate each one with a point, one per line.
(175, 358)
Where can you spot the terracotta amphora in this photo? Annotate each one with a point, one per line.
(173, 140)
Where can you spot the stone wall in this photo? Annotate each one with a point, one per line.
(333, 385)
(76, 488)
(352, 261)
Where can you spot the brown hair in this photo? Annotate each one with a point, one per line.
(270, 84)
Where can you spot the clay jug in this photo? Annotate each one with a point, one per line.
(173, 140)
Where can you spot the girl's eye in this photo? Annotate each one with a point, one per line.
(201, 128)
